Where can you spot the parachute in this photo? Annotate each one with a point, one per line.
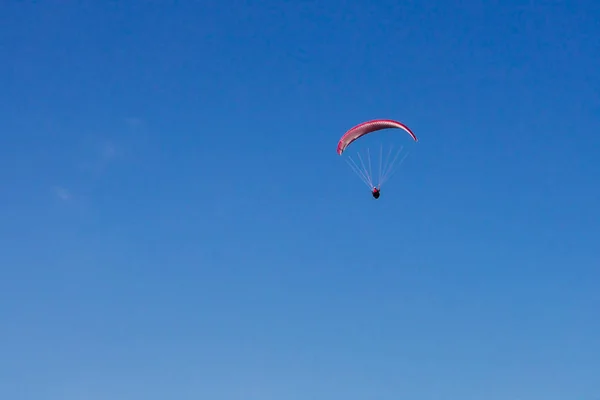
(368, 127)
(387, 168)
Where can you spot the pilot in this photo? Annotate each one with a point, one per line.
(375, 192)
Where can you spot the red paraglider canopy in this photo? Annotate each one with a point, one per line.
(387, 166)
(368, 127)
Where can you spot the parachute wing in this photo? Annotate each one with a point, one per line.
(368, 127)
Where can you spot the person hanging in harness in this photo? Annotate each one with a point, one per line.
(375, 192)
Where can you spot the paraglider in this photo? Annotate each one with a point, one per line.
(385, 169)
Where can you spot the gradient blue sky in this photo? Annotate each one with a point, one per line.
(175, 222)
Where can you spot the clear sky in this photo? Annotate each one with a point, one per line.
(176, 224)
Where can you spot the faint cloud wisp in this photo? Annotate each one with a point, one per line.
(62, 193)
(95, 156)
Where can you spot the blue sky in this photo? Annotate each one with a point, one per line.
(175, 222)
